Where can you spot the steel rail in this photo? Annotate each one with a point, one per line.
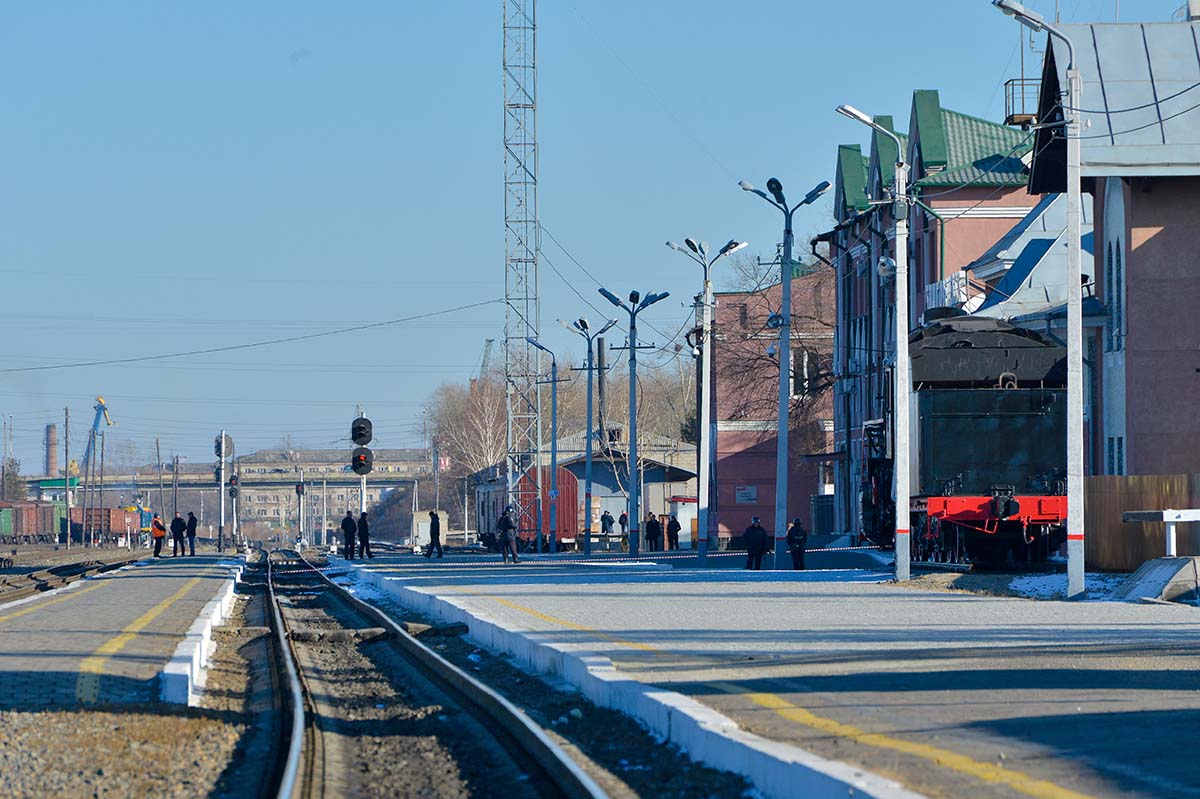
(13, 587)
(567, 777)
(291, 765)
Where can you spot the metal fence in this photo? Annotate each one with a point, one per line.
(1112, 543)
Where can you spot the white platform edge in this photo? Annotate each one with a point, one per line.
(777, 770)
(182, 679)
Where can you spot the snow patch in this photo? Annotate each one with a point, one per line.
(1054, 586)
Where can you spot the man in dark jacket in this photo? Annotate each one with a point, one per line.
(349, 528)
(797, 540)
(364, 542)
(435, 534)
(177, 527)
(191, 533)
(624, 522)
(654, 533)
(507, 529)
(756, 544)
(673, 528)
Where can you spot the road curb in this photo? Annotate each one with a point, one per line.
(776, 769)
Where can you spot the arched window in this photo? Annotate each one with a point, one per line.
(1108, 293)
(1118, 335)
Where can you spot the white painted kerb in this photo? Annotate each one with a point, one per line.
(182, 679)
(777, 770)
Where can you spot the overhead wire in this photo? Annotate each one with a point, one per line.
(249, 345)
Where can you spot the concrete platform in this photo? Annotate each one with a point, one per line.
(104, 639)
(949, 694)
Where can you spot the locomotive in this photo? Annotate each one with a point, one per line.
(988, 416)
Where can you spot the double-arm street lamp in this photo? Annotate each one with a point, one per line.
(581, 327)
(783, 320)
(1075, 549)
(698, 252)
(902, 384)
(636, 305)
(553, 450)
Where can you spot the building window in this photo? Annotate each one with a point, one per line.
(1112, 451)
(800, 372)
(1117, 338)
(1120, 454)
(1108, 322)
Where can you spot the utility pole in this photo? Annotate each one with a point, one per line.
(174, 485)
(635, 306)
(300, 507)
(221, 490)
(237, 470)
(162, 505)
(437, 476)
(102, 484)
(67, 468)
(581, 327)
(553, 447)
(324, 512)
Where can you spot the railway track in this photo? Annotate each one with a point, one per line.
(370, 711)
(19, 586)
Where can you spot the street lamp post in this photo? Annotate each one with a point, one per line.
(636, 305)
(698, 252)
(902, 385)
(783, 320)
(1076, 588)
(553, 447)
(580, 326)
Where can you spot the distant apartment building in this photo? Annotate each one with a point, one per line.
(746, 383)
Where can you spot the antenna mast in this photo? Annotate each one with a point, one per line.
(522, 316)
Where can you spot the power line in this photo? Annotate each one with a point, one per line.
(232, 347)
(1155, 123)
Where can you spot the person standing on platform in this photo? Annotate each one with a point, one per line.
(756, 544)
(435, 534)
(364, 541)
(673, 528)
(177, 528)
(508, 535)
(654, 533)
(191, 533)
(624, 522)
(797, 540)
(158, 532)
(349, 528)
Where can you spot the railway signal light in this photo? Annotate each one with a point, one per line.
(299, 489)
(362, 460)
(360, 431)
(233, 491)
(217, 474)
(233, 480)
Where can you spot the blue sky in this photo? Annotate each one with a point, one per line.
(181, 176)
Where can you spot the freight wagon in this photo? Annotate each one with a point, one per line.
(29, 522)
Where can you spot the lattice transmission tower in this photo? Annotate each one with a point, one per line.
(522, 235)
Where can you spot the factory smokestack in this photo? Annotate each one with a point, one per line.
(51, 459)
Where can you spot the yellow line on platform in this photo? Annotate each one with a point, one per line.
(31, 607)
(87, 687)
(985, 772)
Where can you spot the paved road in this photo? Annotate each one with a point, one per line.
(104, 639)
(952, 694)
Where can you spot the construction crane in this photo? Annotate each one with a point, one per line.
(486, 360)
(101, 413)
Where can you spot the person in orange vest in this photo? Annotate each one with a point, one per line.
(159, 531)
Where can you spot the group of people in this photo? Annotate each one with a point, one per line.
(654, 532)
(351, 529)
(758, 542)
(179, 528)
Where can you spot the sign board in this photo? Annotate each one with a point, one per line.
(745, 495)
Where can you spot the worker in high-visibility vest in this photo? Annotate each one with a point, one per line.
(159, 531)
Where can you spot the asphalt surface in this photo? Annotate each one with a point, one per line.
(952, 694)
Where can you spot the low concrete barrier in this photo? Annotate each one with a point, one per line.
(182, 679)
(776, 769)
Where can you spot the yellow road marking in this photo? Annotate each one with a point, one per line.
(87, 686)
(985, 772)
(32, 606)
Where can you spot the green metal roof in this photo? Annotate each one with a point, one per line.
(852, 177)
(885, 148)
(980, 153)
(927, 125)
